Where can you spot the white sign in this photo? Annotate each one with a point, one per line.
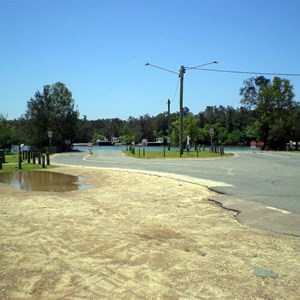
(50, 134)
(188, 140)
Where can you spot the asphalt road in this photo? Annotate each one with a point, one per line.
(263, 186)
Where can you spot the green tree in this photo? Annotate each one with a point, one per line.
(273, 103)
(6, 133)
(52, 110)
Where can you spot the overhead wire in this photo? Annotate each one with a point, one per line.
(247, 72)
(176, 90)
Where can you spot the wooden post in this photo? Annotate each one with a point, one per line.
(20, 161)
(43, 161)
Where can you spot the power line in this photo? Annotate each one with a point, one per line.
(175, 90)
(248, 72)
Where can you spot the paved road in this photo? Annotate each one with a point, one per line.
(265, 187)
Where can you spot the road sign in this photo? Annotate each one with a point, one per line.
(253, 144)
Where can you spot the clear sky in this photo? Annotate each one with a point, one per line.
(99, 50)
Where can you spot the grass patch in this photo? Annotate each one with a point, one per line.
(148, 154)
(12, 164)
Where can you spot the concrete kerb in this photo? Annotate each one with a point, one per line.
(260, 216)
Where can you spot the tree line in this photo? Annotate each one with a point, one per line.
(268, 112)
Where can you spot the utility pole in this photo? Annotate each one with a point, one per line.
(181, 75)
(169, 129)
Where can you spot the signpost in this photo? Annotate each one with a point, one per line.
(50, 134)
(261, 144)
(188, 144)
(211, 133)
(90, 147)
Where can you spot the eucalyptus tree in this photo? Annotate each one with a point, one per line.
(54, 110)
(6, 132)
(273, 103)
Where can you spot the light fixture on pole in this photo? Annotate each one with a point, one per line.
(181, 76)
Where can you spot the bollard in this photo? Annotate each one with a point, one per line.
(164, 152)
(197, 153)
(39, 158)
(20, 161)
(43, 161)
(222, 151)
(139, 151)
(33, 158)
(143, 151)
(2, 154)
(28, 157)
(48, 158)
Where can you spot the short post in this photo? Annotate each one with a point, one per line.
(48, 158)
(20, 161)
(2, 154)
(39, 158)
(28, 156)
(164, 152)
(143, 151)
(33, 158)
(222, 151)
(139, 151)
(43, 161)
(197, 153)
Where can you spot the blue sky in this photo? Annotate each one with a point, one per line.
(99, 50)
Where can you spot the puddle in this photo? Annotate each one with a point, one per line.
(261, 272)
(43, 181)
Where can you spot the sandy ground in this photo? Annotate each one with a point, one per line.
(137, 236)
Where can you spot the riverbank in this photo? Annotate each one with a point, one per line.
(137, 236)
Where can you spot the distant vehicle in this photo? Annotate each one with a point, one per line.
(293, 146)
(158, 142)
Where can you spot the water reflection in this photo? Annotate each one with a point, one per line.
(42, 181)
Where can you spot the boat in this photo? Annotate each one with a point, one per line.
(105, 142)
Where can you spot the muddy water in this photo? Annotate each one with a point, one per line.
(43, 181)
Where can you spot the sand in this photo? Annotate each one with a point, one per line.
(137, 236)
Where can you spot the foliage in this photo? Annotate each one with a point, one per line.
(96, 137)
(268, 113)
(52, 110)
(274, 105)
(6, 133)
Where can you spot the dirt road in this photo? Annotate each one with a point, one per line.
(136, 236)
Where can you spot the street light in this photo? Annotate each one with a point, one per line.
(181, 76)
